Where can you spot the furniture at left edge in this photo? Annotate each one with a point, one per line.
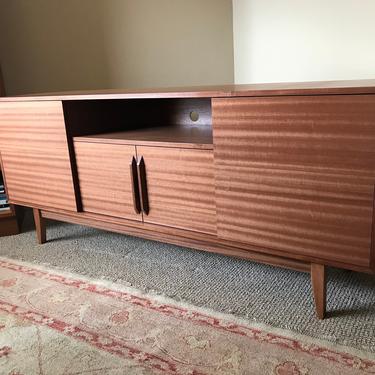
(8, 219)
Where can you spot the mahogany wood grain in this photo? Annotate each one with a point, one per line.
(319, 286)
(35, 154)
(8, 219)
(180, 184)
(105, 180)
(347, 87)
(199, 137)
(297, 174)
(40, 226)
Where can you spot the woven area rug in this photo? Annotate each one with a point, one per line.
(263, 294)
(58, 323)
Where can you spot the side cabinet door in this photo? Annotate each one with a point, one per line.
(35, 155)
(296, 174)
(180, 184)
(105, 179)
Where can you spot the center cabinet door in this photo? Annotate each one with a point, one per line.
(180, 186)
(105, 179)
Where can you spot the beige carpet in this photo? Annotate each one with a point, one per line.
(56, 323)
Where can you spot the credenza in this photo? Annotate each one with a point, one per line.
(282, 174)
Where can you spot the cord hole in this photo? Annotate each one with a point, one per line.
(194, 116)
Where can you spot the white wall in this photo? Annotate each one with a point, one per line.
(54, 45)
(303, 40)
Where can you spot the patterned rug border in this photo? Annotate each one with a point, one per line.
(103, 342)
(347, 356)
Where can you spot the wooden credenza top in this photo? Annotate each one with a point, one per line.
(262, 89)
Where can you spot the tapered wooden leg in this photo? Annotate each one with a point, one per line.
(40, 226)
(318, 280)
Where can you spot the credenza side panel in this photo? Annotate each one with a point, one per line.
(35, 154)
(297, 174)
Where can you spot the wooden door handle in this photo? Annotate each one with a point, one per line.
(135, 188)
(142, 182)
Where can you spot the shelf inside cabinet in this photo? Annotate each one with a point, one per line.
(199, 137)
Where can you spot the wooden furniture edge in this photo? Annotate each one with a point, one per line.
(319, 286)
(344, 87)
(10, 221)
(40, 226)
(73, 164)
(163, 144)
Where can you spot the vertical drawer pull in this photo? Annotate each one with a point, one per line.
(142, 182)
(135, 189)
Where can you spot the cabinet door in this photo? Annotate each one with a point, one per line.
(297, 174)
(35, 154)
(105, 179)
(180, 184)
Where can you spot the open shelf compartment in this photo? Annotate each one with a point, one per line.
(185, 122)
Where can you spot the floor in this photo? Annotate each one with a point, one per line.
(58, 323)
(260, 293)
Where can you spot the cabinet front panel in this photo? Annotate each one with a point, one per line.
(180, 184)
(35, 154)
(105, 179)
(297, 174)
